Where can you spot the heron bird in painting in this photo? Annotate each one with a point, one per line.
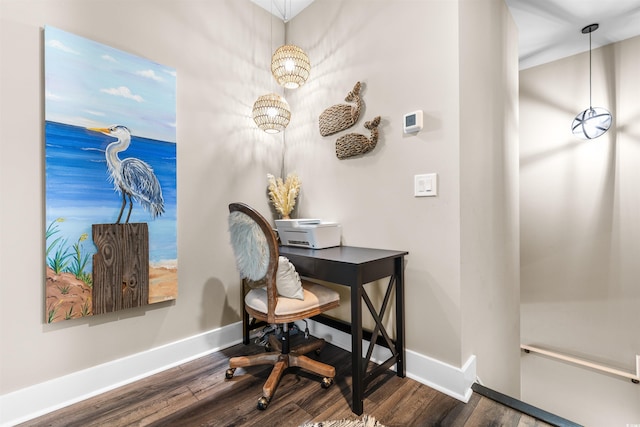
(132, 177)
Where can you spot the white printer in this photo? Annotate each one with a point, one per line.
(308, 233)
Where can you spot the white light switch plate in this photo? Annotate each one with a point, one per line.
(425, 185)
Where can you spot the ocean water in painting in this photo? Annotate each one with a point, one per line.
(79, 192)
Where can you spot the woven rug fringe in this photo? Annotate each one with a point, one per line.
(366, 421)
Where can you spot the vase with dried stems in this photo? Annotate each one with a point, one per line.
(283, 194)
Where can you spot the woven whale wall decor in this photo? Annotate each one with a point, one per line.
(341, 116)
(353, 144)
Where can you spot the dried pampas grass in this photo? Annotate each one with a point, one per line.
(283, 194)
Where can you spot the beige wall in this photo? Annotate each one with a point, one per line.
(490, 271)
(580, 234)
(407, 54)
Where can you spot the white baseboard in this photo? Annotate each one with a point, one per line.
(31, 402)
(452, 381)
(448, 379)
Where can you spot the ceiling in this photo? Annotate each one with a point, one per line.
(551, 29)
(283, 9)
(548, 29)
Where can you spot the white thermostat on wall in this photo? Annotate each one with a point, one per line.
(413, 122)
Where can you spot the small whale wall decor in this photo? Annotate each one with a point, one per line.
(354, 144)
(341, 116)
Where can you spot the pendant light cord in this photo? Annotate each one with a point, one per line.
(284, 134)
(590, 103)
(271, 39)
(284, 142)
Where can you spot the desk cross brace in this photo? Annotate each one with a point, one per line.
(379, 330)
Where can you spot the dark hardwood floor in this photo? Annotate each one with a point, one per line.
(197, 394)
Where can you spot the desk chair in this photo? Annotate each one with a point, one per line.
(256, 250)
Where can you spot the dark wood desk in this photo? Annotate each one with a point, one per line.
(355, 267)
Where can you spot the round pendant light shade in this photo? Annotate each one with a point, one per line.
(290, 66)
(271, 113)
(594, 121)
(591, 123)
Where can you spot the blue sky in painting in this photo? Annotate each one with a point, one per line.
(89, 84)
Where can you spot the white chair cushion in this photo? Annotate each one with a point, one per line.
(314, 296)
(249, 245)
(287, 280)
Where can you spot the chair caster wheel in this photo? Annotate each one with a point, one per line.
(326, 382)
(229, 374)
(263, 403)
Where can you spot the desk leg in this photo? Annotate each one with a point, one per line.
(399, 273)
(245, 316)
(245, 327)
(357, 367)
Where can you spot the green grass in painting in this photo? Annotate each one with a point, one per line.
(80, 260)
(86, 309)
(51, 314)
(86, 278)
(62, 258)
(59, 260)
(64, 290)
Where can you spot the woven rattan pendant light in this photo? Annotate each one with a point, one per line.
(594, 121)
(290, 66)
(271, 113)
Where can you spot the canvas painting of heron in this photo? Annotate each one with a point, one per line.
(110, 162)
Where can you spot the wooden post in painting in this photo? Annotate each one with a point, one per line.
(120, 267)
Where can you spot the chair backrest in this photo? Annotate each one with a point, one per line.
(255, 247)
